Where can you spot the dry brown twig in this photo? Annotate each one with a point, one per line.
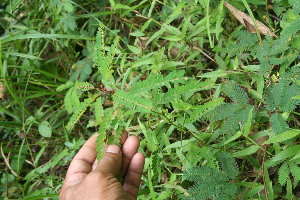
(8, 165)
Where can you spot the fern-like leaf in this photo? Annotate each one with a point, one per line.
(103, 58)
(228, 165)
(295, 169)
(106, 121)
(208, 184)
(133, 102)
(284, 154)
(278, 123)
(100, 147)
(181, 90)
(235, 119)
(201, 110)
(283, 174)
(236, 93)
(279, 96)
(98, 111)
(84, 86)
(244, 42)
(79, 111)
(157, 80)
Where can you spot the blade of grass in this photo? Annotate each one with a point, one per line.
(10, 90)
(61, 79)
(207, 24)
(254, 20)
(6, 39)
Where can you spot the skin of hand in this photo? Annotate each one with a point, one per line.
(88, 179)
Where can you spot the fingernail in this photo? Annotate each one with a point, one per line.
(113, 149)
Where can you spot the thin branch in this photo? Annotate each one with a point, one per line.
(8, 165)
(197, 48)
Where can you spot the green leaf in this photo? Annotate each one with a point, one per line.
(214, 74)
(132, 101)
(245, 152)
(45, 129)
(201, 110)
(278, 123)
(68, 6)
(179, 144)
(121, 6)
(296, 97)
(176, 92)
(5, 39)
(180, 105)
(67, 85)
(100, 148)
(22, 55)
(248, 123)
(157, 80)
(150, 136)
(79, 110)
(228, 165)
(283, 174)
(134, 49)
(98, 111)
(234, 137)
(283, 137)
(284, 154)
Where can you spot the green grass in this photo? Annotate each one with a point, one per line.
(233, 99)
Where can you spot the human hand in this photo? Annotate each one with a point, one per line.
(88, 180)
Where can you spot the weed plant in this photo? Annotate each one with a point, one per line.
(216, 107)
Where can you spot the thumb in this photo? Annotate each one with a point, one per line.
(111, 161)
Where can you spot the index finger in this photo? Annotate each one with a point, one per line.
(82, 162)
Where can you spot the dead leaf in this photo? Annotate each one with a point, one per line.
(174, 51)
(250, 27)
(247, 21)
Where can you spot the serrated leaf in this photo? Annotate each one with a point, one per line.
(228, 165)
(283, 137)
(181, 90)
(278, 124)
(201, 110)
(98, 111)
(284, 154)
(100, 145)
(283, 174)
(157, 80)
(151, 139)
(84, 86)
(79, 111)
(132, 101)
